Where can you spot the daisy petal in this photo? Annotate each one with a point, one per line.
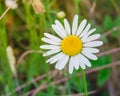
(49, 41)
(67, 26)
(81, 27)
(57, 64)
(60, 26)
(90, 32)
(84, 61)
(71, 65)
(89, 54)
(62, 62)
(58, 31)
(51, 52)
(93, 44)
(91, 50)
(56, 58)
(82, 65)
(85, 30)
(49, 47)
(76, 64)
(75, 24)
(52, 37)
(91, 38)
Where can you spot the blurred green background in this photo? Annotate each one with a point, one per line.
(22, 29)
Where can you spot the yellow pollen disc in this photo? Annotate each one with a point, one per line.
(71, 45)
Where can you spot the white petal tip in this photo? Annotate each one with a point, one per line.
(83, 67)
(42, 39)
(101, 43)
(59, 68)
(41, 47)
(56, 20)
(53, 25)
(76, 16)
(65, 20)
(44, 33)
(98, 51)
(56, 67)
(47, 61)
(44, 55)
(51, 62)
(89, 65)
(95, 58)
(77, 68)
(99, 35)
(70, 72)
(84, 20)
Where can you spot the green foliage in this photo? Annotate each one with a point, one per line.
(105, 93)
(112, 24)
(76, 83)
(108, 23)
(103, 75)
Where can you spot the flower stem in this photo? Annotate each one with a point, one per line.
(85, 83)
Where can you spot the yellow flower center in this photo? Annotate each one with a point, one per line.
(71, 45)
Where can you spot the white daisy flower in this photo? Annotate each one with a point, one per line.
(73, 46)
(11, 3)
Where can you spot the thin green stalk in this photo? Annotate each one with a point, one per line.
(77, 6)
(6, 78)
(85, 83)
(36, 23)
(30, 21)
